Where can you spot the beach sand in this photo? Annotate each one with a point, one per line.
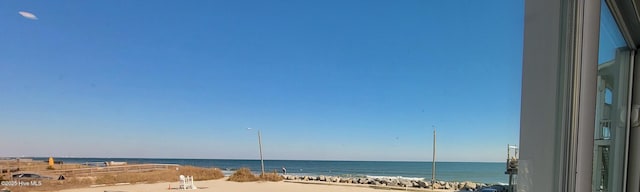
(222, 185)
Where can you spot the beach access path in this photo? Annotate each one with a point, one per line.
(230, 186)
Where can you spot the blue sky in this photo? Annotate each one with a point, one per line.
(328, 80)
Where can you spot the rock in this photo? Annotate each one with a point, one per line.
(470, 185)
(322, 178)
(460, 185)
(405, 183)
(447, 186)
(392, 183)
(437, 185)
(415, 184)
(423, 184)
(305, 178)
(454, 185)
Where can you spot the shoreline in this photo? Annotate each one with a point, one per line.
(387, 182)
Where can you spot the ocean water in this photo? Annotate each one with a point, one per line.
(491, 173)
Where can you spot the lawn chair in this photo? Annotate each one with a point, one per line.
(186, 182)
(182, 183)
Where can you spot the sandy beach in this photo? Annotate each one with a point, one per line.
(229, 186)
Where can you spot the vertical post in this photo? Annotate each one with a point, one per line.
(509, 167)
(634, 132)
(261, 159)
(433, 162)
(508, 156)
(510, 189)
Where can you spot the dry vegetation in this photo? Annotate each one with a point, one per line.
(245, 175)
(39, 166)
(271, 177)
(54, 185)
(200, 174)
(144, 177)
(141, 177)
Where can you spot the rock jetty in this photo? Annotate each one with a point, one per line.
(391, 182)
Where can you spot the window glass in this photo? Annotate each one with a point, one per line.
(610, 36)
(611, 106)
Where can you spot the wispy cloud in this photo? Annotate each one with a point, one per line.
(28, 15)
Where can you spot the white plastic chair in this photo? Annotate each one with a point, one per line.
(182, 185)
(191, 185)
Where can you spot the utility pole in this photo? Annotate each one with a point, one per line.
(260, 143)
(433, 162)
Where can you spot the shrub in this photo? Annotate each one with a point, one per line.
(271, 177)
(243, 175)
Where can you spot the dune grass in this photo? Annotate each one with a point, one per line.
(201, 174)
(245, 175)
(55, 185)
(170, 175)
(144, 177)
(271, 177)
(198, 173)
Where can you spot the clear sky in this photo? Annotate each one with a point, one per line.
(322, 79)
